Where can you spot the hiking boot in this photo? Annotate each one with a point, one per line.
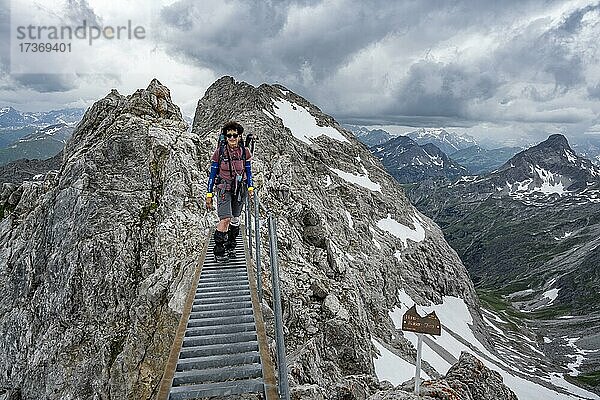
(219, 250)
(231, 240)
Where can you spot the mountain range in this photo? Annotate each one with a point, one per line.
(410, 162)
(11, 118)
(529, 235)
(448, 142)
(35, 135)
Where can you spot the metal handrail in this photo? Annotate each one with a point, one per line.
(282, 370)
(257, 241)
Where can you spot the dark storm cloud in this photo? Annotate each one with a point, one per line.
(276, 40)
(442, 90)
(305, 48)
(45, 83)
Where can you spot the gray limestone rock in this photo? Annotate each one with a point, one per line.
(95, 260)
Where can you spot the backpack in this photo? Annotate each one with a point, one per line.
(222, 143)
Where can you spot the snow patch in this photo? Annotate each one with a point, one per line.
(268, 114)
(551, 295)
(360, 180)
(302, 124)
(327, 181)
(564, 236)
(350, 222)
(392, 368)
(570, 156)
(551, 183)
(401, 231)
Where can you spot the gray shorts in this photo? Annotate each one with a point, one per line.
(228, 207)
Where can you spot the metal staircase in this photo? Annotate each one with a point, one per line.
(220, 348)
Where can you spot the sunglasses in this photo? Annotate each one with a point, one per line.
(232, 136)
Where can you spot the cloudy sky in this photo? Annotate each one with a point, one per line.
(509, 71)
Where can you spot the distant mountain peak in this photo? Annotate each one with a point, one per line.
(4, 110)
(448, 142)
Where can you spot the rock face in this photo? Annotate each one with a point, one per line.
(468, 379)
(410, 162)
(95, 258)
(340, 271)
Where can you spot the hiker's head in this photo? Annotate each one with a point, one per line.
(232, 132)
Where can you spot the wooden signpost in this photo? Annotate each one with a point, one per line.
(429, 324)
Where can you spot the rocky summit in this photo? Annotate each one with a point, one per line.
(97, 256)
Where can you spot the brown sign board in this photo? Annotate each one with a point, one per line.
(413, 322)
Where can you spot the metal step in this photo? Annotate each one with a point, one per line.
(220, 313)
(221, 275)
(220, 289)
(201, 306)
(209, 278)
(223, 283)
(217, 389)
(220, 329)
(223, 338)
(228, 373)
(229, 299)
(190, 363)
(221, 349)
(213, 295)
(220, 321)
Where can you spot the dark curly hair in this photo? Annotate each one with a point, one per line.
(232, 125)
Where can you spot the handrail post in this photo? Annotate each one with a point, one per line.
(284, 392)
(257, 241)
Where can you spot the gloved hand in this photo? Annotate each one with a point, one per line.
(250, 190)
(209, 202)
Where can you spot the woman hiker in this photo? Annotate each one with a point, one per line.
(230, 171)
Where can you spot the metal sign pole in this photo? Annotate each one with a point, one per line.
(418, 369)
